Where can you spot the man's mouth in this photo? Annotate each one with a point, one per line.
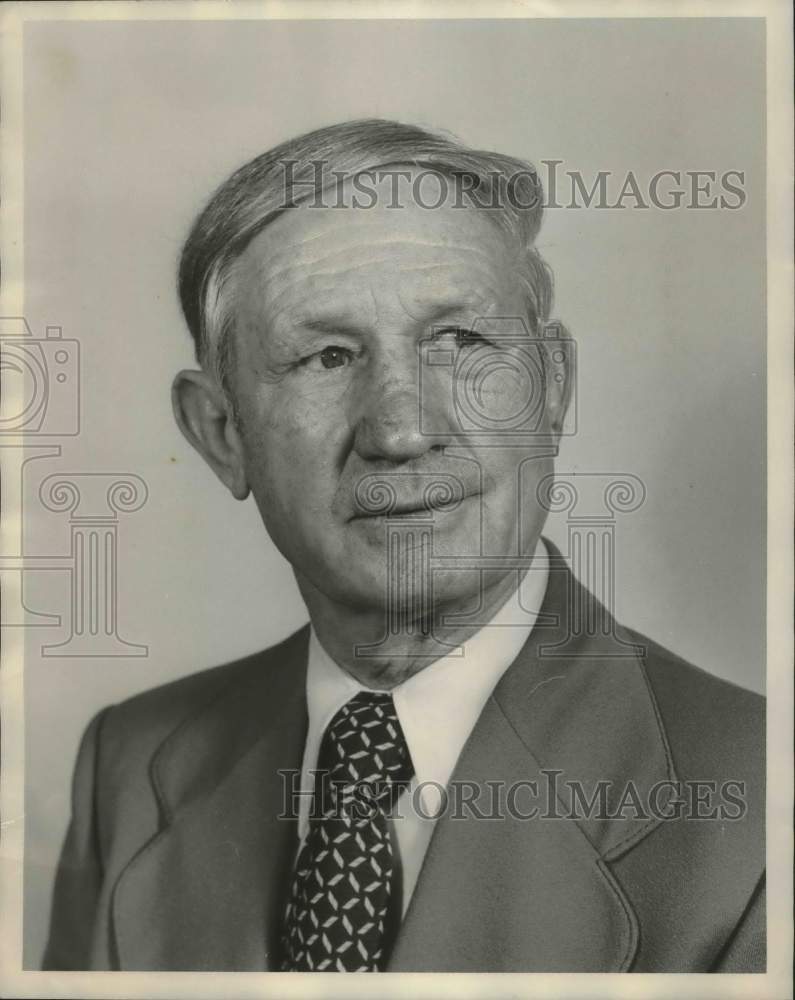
(379, 497)
(424, 508)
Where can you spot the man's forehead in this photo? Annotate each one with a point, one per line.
(312, 263)
(309, 229)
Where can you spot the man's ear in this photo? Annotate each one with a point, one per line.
(561, 377)
(205, 418)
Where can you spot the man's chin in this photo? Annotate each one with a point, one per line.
(454, 532)
(386, 565)
(402, 594)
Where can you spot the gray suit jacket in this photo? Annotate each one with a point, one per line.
(175, 858)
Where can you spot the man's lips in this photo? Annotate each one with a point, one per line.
(379, 495)
(405, 507)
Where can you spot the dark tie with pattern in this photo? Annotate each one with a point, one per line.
(341, 900)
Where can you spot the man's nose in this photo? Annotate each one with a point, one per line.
(388, 424)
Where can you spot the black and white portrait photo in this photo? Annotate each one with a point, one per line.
(389, 434)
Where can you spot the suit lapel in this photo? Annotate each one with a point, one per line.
(517, 894)
(504, 895)
(206, 891)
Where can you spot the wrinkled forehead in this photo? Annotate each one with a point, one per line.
(362, 257)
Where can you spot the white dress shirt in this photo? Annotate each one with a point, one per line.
(437, 709)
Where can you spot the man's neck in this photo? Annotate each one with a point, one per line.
(392, 658)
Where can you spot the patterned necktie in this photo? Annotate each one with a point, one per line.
(338, 914)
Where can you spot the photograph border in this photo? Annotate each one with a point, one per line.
(776, 983)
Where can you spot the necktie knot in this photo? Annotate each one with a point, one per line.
(364, 759)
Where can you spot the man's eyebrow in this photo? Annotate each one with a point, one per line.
(330, 325)
(339, 324)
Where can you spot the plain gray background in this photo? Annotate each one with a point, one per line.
(128, 128)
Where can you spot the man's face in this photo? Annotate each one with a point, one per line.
(336, 311)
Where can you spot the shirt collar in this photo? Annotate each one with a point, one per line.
(439, 706)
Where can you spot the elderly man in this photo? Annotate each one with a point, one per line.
(444, 771)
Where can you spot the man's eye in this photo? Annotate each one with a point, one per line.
(330, 357)
(463, 336)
